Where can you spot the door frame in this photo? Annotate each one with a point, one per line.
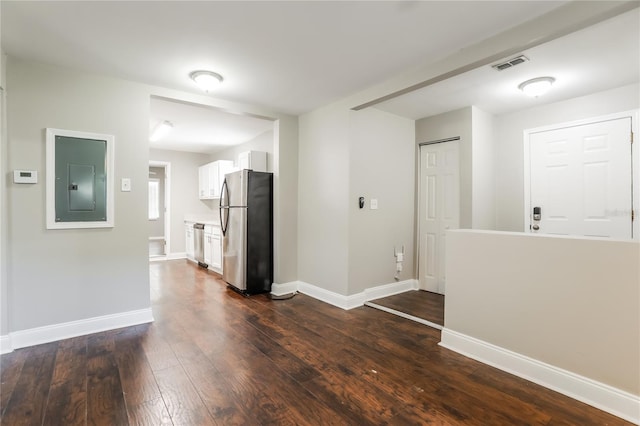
(418, 195)
(635, 162)
(167, 202)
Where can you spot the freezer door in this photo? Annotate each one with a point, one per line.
(234, 247)
(237, 188)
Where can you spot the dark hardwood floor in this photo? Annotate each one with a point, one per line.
(213, 357)
(420, 304)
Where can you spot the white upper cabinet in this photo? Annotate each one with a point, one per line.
(254, 160)
(211, 176)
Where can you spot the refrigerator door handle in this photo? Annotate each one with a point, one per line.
(224, 191)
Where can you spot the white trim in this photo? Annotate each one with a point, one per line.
(342, 301)
(170, 256)
(51, 333)
(51, 179)
(156, 238)
(5, 344)
(175, 256)
(602, 396)
(390, 289)
(285, 288)
(634, 115)
(404, 315)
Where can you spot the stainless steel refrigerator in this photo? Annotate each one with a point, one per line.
(246, 219)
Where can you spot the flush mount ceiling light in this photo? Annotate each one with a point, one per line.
(536, 86)
(161, 130)
(206, 80)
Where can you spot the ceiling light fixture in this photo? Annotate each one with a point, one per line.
(161, 130)
(206, 80)
(536, 86)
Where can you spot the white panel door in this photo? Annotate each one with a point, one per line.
(580, 178)
(439, 210)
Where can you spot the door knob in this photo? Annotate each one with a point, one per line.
(536, 227)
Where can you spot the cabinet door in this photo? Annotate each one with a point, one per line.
(207, 249)
(244, 160)
(254, 160)
(216, 252)
(203, 181)
(214, 183)
(189, 241)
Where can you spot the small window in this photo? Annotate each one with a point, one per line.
(154, 199)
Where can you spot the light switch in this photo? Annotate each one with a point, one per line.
(125, 186)
(374, 204)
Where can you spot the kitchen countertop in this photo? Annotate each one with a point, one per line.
(207, 219)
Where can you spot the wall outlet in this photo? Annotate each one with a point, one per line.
(125, 185)
(374, 204)
(399, 257)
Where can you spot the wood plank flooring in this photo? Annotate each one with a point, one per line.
(420, 304)
(213, 357)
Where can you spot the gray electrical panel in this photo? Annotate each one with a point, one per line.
(81, 179)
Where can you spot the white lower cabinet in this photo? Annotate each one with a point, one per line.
(213, 247)
(216, 250)
(188, 240)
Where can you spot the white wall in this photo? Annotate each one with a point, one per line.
(262, 142)
(323, 198)
(58, 276)
(344, 155)
(509, 144)
(572, 303)
(483, 197)
(184, 191)
(381, 166)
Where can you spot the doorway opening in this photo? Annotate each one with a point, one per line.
(159, 195)
(438, 211)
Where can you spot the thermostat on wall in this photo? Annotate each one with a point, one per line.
(25, 176)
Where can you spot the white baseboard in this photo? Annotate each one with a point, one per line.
(602, 396)
(404, 315)
(285, 288)
(5, 344)
(340, 300)
(170, 256)
(175, 256)
(51, 333)
(390, 289)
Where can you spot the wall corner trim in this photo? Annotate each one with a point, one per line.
(604, 397)
(5, 344)
(285, 288)
(340, 300)
(51, 333)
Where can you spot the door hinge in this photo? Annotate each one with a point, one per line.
(633, 215)
(631, 138)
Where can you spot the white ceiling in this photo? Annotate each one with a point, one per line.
(199, 128)
(293, 56)
(600, 57)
